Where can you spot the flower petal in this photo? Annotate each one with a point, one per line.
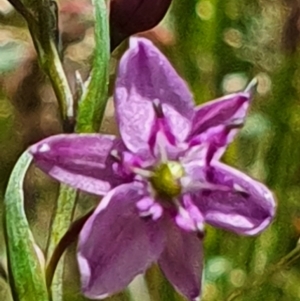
(230, 109)
(216, 139)
(145, 77)
(181, 261)
(238, 203)
(82, 161)
(116, 244)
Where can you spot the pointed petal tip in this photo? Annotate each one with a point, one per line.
(85, 270)
(251, 87)
(145, 75)
(138, 41)
(249, 212)
(44, 146)
(89, 295)
(39, 148)
(270, 198)
(182, 261)
(192, 296)
(79, 160)
(85, 277)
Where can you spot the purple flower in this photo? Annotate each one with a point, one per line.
(161, 181)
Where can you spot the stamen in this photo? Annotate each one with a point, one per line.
(252, 85)
(184, 221)
(145, 204)
(189, 217)
(160, 141)
(235, 124)
(177, 204)
(157, 106)
(239, 188)
(189, 185)
(114, 153)
(142, 172)
(155, 211)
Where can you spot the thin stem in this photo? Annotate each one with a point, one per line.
(54, 69)
(61, 222)
(32, 23)
(22, 10)
(255, 281)
(50, 61)
(93, 101)
(42, 31)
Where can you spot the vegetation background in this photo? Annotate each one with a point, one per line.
(217, 46)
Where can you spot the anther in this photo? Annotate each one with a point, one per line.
(114, 153)
(158, 108)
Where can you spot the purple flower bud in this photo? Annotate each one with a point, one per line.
(128, 17)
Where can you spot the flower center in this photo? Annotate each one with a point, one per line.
(165, 179)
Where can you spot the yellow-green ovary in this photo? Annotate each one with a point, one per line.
(166, 179)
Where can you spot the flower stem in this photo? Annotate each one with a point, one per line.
(254, 281)
(63, 216)
(93, 101)
(49, 57)
(42, 30)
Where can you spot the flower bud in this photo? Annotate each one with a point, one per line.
(128, 17)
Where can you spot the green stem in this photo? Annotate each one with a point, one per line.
(42, 33)
(61, 222)
(93, 101)
(54, 69)
(255, 281)
(50, 59)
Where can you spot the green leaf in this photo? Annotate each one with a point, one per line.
(93, 101)
(27, 274)
(61, 222)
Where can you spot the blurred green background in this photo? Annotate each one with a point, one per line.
(217, 46)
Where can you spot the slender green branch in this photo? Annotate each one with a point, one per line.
(22, 10)
(63, 216)
(32, 24)
(42, 31)
(51, 62)
(255, 281)
(93, 101)
(54, 69)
